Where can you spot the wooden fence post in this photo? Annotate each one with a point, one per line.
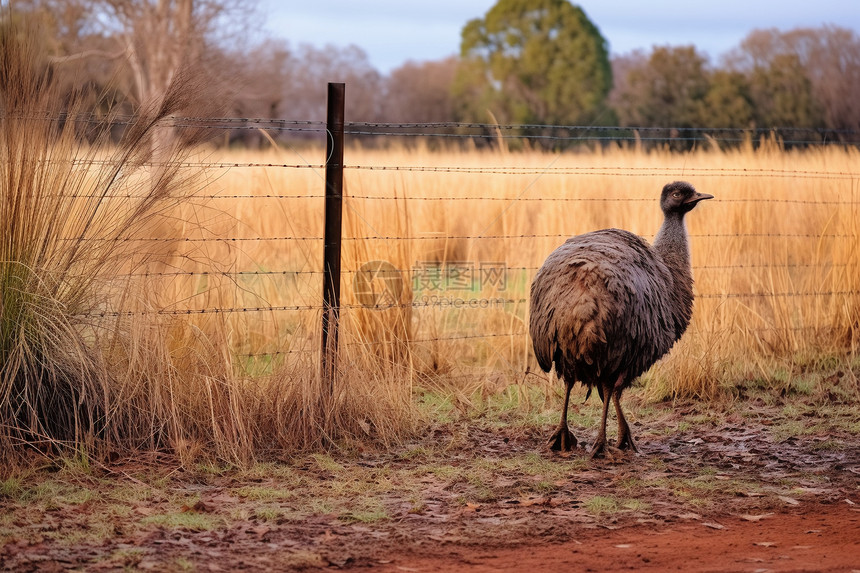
(332, 233)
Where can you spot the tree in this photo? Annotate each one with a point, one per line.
(666, 89)
(128, 53)
(309, 71)
(266, 72)
(83, 60)
(783, 94)
(816, 70)
(421, 92)
(534, 61)
(282, 82)
(729, 102)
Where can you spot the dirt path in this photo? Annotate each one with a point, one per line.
(816, 538)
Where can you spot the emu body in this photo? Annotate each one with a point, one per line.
(606, 305)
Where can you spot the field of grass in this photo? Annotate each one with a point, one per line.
(233, 283)
(776, 279)
(162, 298)
(461, 234)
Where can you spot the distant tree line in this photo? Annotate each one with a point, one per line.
(525, 62)
(803, 78)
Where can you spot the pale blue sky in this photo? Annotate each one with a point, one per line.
(394, 31)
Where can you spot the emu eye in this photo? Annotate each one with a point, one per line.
(676, 194)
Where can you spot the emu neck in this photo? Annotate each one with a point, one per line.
(671, 244)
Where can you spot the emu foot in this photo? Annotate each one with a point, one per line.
(562, 440)
(625, 441)
(603, 450)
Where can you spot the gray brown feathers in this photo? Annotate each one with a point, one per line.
(606, 304)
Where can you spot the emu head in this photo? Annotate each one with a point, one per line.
(680, 197)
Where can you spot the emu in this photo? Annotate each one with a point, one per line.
(605, 306)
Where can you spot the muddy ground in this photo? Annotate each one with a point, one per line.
(753, 486)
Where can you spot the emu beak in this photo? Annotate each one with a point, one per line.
(697, 197)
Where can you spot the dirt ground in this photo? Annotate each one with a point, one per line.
(756, 487)
(816, 537)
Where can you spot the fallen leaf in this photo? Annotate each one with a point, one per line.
(713, 525)
(765, 543)
(755, 517)
(788, 500)
(199, 506)
(624, 546)
(364, 426)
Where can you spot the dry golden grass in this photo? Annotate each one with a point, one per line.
(103, 349)
(776, 276)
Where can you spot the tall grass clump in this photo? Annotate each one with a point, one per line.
(72, 207)
(123, 324)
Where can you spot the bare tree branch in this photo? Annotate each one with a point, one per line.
(87, 54)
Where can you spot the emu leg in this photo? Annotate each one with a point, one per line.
(562, 440)
(625, 440)
(600, 443)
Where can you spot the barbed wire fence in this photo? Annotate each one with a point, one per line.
(445, 273)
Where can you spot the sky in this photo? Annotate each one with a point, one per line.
(392, 32)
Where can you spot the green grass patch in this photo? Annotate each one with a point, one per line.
(184, 564)
(608, 505)
(259, 493)
(327, 463)
(126, 558)
(433, 405)
(600, 505)
(372, 512)
(788, 429)
(268, 513)
(11, 488)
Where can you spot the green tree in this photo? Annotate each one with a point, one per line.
(533, 61)
(783, 94)
(668, 89)
(729, 101)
